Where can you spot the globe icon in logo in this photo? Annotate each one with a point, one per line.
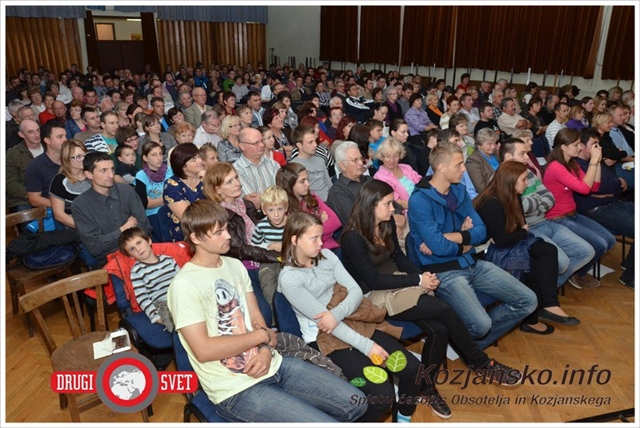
(127, 382)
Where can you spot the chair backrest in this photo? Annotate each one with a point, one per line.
(410, 247)
(124, 306)
(285, 316)
(67, 289)
(540, 146)
(20, 217)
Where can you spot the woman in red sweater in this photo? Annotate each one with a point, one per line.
(563, 177)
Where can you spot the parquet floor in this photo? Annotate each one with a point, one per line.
(604, 340)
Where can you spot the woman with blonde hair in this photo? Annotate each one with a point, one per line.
(222, 185)
(70, 183)
(229, 147)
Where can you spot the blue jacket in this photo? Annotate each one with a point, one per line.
(430, 218)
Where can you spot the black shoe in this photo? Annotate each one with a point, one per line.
(499, 373)
(438, 406)
(626, 280)
(559, 319)
(528, 329)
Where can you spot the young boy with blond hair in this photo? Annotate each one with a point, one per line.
(268, 234)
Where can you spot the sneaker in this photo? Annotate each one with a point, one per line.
(575, 282)
(499, 373)
(589, 281)
(402, 419)
(438, 406)
(586, 281)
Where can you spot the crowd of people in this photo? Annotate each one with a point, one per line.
(361, 197)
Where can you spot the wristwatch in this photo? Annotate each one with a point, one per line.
(269, 347)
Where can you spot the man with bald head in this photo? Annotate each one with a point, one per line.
(256, 171)
(193, 114)
(18, 158)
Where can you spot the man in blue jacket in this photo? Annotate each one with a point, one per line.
(441, 216)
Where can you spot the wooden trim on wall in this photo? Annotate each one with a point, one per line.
(53, 43)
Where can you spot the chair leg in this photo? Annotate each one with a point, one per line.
(73, 408)
(14, 300)
(145, 415)
(63, 401)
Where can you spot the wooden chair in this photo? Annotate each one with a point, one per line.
(19, 277)
(77, 353)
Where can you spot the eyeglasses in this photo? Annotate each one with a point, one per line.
(254, 144)
(131, 139)
(77, 157)
(357, 160)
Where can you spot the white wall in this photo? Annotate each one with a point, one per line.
(293, 31)
(122, 27)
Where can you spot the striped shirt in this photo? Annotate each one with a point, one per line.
(256, 178)
(321, 152)
(265, 233)
(151, 283)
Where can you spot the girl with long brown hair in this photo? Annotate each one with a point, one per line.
(563, 177)
(500, 207)
(294, 179)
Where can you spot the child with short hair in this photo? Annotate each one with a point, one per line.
(208, 154)
(304, 138)
(126, 167)
(151, 275)
(268, 234)
(228, 342)
(376, 137)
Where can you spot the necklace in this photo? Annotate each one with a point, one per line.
(199, 263)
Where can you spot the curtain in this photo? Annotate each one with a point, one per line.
(339, 33)
(427, 35)
(379, 34)
(620, 50)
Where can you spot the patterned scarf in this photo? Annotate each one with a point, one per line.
(238, 207)
(156, 176)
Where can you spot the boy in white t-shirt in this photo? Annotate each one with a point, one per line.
(232, 351)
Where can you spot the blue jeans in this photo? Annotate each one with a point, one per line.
(297, 392)
(457, 288)
(617, 218)
(573, 251)
(627, 175)
(596, 235)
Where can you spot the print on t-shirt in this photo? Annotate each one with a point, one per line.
(231, 321)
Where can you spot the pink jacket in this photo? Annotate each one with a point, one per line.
(330, 225)
(562, 183)
(399, 192)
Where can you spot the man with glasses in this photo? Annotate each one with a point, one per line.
(193, 114)
(342, 195)
(208, 130)
(256, 171)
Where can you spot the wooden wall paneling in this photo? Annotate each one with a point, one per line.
(185, 42)
(50, 42)
(239, 43)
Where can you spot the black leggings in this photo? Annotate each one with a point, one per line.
(381, 396)
(440, 322)
(543, 277)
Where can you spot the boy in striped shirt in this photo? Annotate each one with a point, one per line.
(268, 234)
(151, 275)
